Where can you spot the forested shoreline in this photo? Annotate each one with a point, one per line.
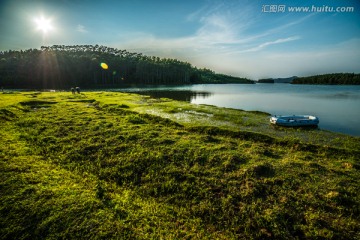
(61, 67)
(94, 66)
(330, 79)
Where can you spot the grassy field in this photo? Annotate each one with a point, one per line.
(103, 165)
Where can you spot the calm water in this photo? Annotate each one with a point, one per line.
(338, 107)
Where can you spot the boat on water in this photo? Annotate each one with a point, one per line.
(295, 120)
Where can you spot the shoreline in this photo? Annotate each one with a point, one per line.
(198, 113)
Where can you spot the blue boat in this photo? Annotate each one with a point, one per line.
(295, 120)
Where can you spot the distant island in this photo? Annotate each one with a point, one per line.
(277, 80)
(88, 66)
(325, 79)
(330, 79)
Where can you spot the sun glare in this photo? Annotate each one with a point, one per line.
(43, 24)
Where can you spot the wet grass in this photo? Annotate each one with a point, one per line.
(123, 166)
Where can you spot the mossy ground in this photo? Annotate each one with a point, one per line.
(123, 166)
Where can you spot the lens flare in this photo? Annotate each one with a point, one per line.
(104, 66)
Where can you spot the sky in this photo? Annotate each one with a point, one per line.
(246, 38)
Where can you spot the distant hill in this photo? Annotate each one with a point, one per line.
(277, 80)
(266, 80)
(94, 66)
(330, 79)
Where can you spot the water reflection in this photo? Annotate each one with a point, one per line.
(340, 95)
(180, 95)
(338, 107)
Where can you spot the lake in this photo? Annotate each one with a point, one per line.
(337, 106)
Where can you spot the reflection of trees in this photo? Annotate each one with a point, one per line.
(181, 95)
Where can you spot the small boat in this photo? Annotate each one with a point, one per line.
(295, 120)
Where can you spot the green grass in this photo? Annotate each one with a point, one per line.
(123, 166)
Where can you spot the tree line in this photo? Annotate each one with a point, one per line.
(330, 79)
(61, 67)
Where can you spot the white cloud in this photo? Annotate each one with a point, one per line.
(226, 42)
(219, 28)
(342, 57)
(81, 28)
(264, 45)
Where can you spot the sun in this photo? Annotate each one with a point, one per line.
(43, 24)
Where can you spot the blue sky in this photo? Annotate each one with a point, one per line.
(247, 38)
